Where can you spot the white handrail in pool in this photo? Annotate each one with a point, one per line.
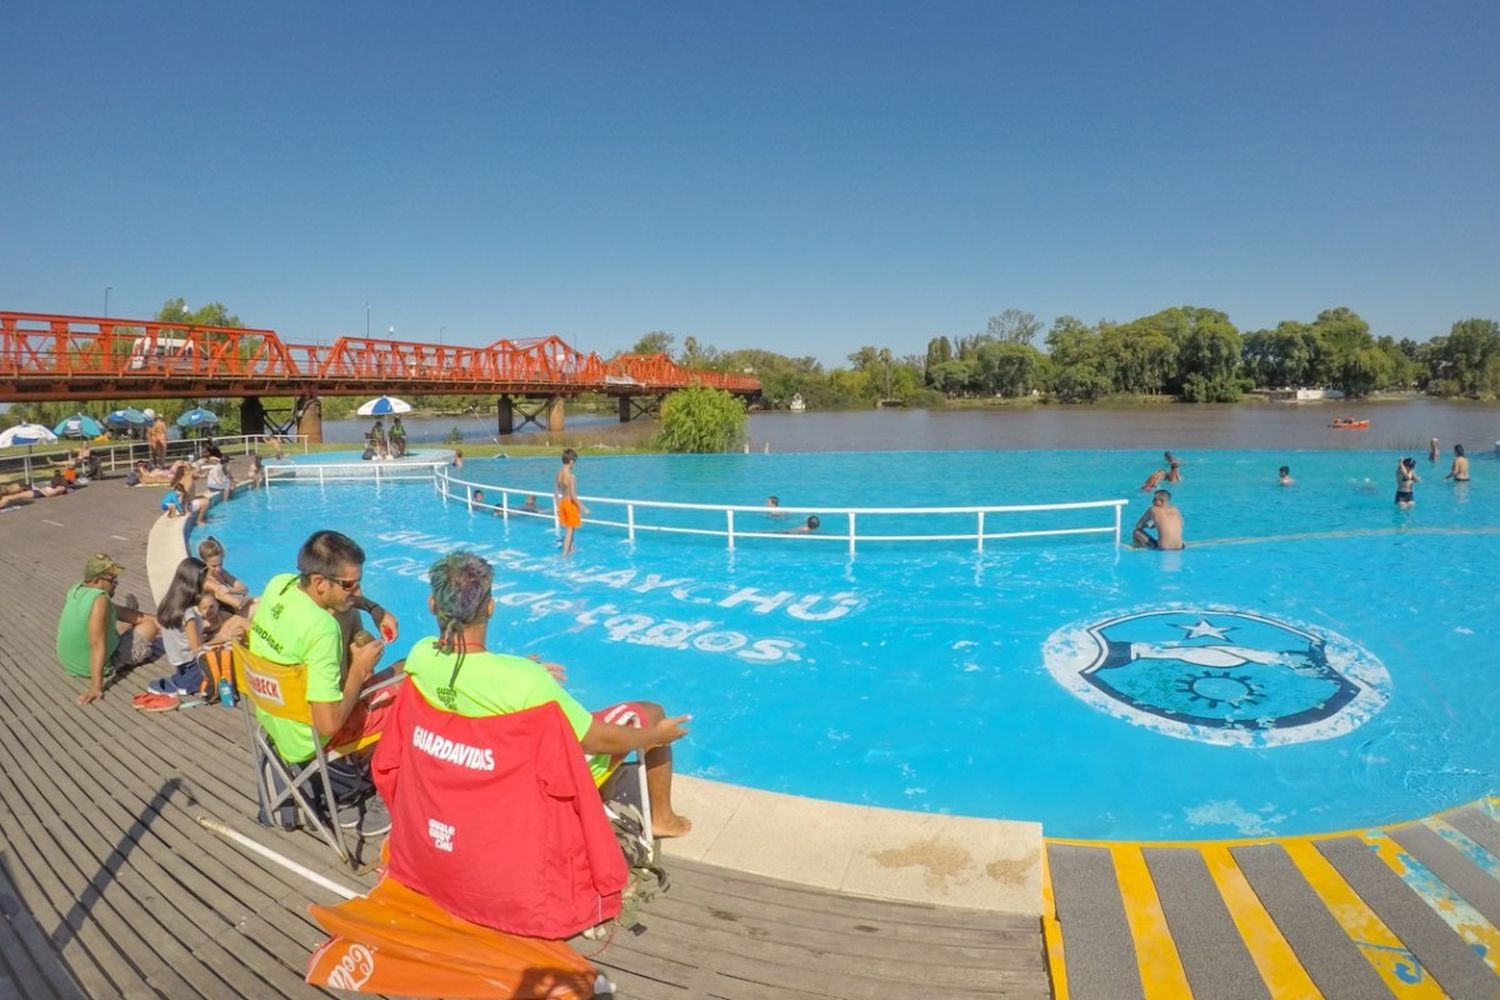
(346, 472)
(444, 482)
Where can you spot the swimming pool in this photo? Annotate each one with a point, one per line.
(1315, 660)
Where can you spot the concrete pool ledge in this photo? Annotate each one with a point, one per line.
(914, 857)
(892, 854)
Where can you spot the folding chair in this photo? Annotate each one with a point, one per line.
(281, 692)
(626, 782)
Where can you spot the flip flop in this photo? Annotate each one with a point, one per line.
(159, 703)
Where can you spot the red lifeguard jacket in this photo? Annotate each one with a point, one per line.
(497, 819)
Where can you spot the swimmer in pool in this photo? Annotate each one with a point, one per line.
(1432, 451)
(812, 525)
(774, 503)
(1406, 479)
(1152, 480)
(1173, 475)
(1460, 471)
(1166, 519)
(1284, 476)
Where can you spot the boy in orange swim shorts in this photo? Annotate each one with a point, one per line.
(569, 511)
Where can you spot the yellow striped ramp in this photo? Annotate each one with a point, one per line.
(1159, 964)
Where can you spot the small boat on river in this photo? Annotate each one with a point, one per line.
(1349, 424)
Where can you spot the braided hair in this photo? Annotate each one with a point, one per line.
(461, 586)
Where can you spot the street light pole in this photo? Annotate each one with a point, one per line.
(107, 290)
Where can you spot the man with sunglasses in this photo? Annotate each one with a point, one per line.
(89, 641)
(295, 623)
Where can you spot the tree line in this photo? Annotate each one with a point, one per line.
(1191, 353)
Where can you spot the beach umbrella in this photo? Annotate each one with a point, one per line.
(383, 406)
(198, 417)
(128, 417)
(27, 434)
(79, 425)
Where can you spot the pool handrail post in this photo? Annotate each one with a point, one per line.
(1118, 507)
(979, 535)
(505, 505)
(729, 518)
(377, 475)
(851, 532)
(469, 497)
(630, 521)
(320, 477)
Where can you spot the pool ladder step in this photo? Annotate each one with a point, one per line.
(1409, 910)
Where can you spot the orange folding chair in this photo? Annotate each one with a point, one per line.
(280, 691)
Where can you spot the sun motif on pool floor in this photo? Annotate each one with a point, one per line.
(1221, 689)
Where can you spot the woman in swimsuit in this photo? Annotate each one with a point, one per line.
(1460, 471)
(1406, 478)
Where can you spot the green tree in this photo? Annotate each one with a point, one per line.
(1013, 326)
(701, 419)
(951, 378)
(655, 342)
(1009, 368)
(1365, 368)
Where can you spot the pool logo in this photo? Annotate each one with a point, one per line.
(1220, 675)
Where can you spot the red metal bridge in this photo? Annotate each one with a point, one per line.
(46, 357)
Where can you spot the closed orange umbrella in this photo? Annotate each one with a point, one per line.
(398, 941)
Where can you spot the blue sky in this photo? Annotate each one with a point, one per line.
(804, 178)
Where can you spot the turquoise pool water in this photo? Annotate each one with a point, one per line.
(1314, 660)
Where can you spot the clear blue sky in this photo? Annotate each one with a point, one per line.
(800, 177)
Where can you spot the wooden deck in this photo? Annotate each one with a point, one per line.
(109, 887)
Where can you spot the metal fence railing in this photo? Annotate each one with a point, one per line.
(850, 526)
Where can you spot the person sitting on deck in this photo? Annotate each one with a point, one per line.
(295, 625)
(1166, 519)
(89, 641)
(227, 590)
(454, 671)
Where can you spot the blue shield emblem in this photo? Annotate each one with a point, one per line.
(1220, 676)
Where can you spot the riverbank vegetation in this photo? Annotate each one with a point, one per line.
(1189, 353)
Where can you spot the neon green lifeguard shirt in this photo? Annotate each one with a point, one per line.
(494, 684)
(291, 629)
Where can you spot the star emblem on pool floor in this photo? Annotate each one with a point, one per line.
(1205, 628)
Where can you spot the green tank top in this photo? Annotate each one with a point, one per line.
(73, 629)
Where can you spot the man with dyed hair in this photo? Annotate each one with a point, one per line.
(456, 672)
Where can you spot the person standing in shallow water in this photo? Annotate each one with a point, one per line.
(1406, 479)
(565, 491)
(1432, 451)
(1459, 473)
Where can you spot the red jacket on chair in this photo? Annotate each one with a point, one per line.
(497, 819)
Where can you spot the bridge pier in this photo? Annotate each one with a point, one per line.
(505, 416)
(508, 408)
(252, 416)
(639, 406)
(310, 419)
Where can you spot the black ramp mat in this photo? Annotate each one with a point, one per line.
(1097, 946)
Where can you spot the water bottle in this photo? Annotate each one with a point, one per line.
(226, 693)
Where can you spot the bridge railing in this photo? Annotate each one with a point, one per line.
(849, 526)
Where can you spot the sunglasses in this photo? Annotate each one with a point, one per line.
(350, 586)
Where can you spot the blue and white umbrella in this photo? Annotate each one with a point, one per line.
(28, 435)
(79, 425)
(128, 417)
(384, 406)
(198, 417)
